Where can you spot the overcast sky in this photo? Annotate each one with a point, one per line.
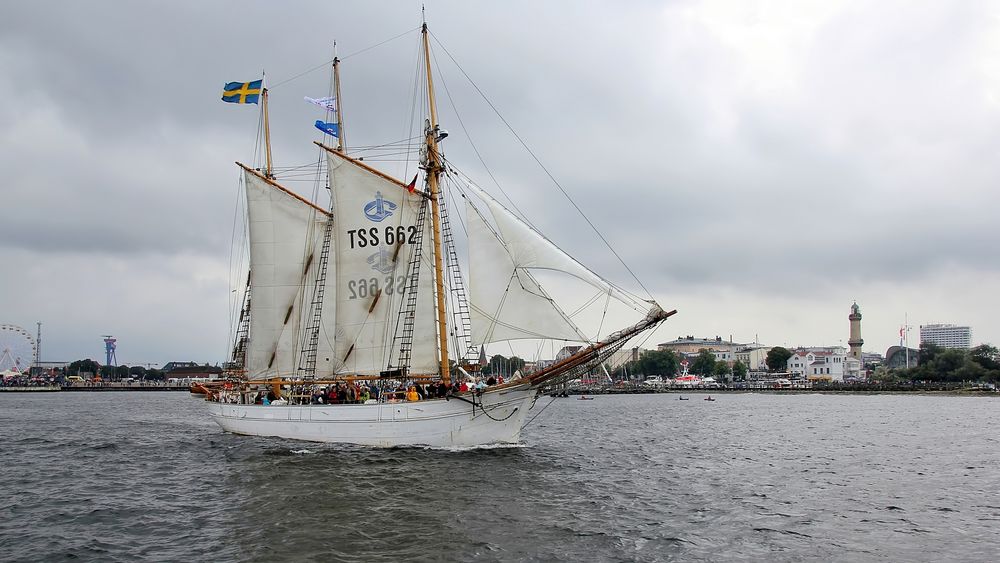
(759, 165)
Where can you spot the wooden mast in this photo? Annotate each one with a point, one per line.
(269, 171)
(433, 170)
(341, 138)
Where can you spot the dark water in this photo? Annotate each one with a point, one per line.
(147, 476)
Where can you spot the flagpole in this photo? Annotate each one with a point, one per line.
(906, 337)
(268, 172)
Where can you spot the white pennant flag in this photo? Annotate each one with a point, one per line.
(330, 102)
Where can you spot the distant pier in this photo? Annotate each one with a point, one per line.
(91, 388)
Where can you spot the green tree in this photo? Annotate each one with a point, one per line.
(970, 370)
(704, 364)
(986, 356)
(629, 369)
(658, 362)
(721, 369)
(495, 364)
(500, 364)
(928, 352)
(83, 366)
(777, 358)
(947, 364)
(739, 371)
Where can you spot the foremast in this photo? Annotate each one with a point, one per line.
(269, 171)
(433, 170)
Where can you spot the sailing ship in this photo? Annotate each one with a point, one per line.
(369, 290)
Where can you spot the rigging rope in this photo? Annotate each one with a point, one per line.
(542, 166)
(538, 413)
(638, 303)
(483, 409)
(345, 57)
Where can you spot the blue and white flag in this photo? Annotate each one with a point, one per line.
(329, 103)
(328, 128)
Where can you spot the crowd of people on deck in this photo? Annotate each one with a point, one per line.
(360, 392)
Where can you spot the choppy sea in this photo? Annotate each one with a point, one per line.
(146, 476)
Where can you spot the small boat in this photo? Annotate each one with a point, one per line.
(585, 398)
(204, 389)
(682, 398)
(709, 398)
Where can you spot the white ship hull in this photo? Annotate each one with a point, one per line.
(497, 418)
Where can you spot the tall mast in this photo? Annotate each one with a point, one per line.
(433, 170)
(269, 171)
(341, 138)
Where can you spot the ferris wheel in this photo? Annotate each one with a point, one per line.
(17, 349)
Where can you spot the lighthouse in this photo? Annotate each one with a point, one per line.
(856, 341)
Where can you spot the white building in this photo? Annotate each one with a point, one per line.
(853, 368)
(947, 336)
(724, 356)
(754, 357)
(828, 364)
(566, 352)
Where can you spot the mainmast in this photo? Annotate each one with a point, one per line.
(433, 170)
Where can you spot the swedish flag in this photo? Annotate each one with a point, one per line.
(242, 92)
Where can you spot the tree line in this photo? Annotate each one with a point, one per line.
(935, 363)
(666, 363)
(113, 373)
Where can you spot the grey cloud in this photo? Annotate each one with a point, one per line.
(858, 155)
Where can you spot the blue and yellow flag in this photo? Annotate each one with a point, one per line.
(242, 92)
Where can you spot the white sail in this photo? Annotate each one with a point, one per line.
(374, 217)
(425, 357)
(505, 301)
(529, 249)
(284, 231)
(325, 357)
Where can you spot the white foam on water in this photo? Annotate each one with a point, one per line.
(472, 448)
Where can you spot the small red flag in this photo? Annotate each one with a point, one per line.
(413, 184)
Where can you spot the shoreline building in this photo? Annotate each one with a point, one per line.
(753, 356)
(897, 357)
(687, 349)
(825, 363)
(946, 335)
(692, 345)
